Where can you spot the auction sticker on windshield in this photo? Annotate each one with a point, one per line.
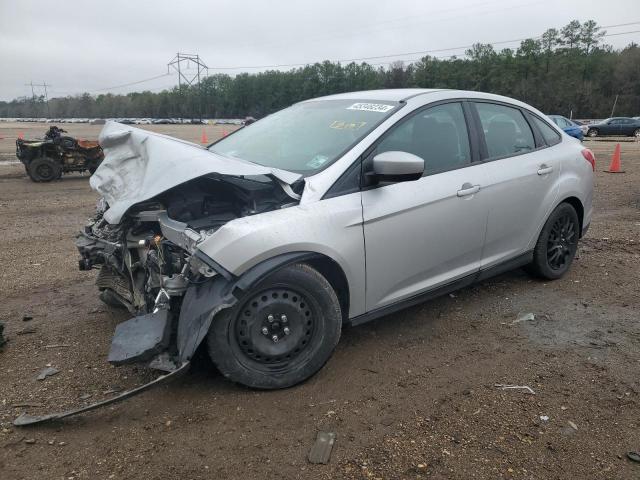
(371, 107)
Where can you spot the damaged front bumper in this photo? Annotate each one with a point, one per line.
(152, 274)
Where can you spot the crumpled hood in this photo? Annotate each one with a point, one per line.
(139, 165)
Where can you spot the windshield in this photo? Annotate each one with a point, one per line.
(306, 137)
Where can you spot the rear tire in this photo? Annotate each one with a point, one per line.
(636, 133)
(592, 132)
(44, 169)
(557, 244)
(280, 333)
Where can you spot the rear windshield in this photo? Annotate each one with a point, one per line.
(306, 137)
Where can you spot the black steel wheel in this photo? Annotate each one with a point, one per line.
(556, 247)
(280, 333)
(44, 169)
(276, 326)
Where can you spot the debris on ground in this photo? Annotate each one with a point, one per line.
(321, 450)
(634, 456)
(2, 339)
(524, 317)
(570, 429)
(27, 317)
(112, 390)
(58, 345)
(27, 404)
(515, 387)
(26, 331)
(47, 372)
(544, 418)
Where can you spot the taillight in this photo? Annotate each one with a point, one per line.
(589, 157)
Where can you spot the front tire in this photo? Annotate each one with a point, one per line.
(592, 132)
(557, 244)
(636, 133)
(44, 169)
(280, 333)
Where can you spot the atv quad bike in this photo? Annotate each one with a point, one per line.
(46, 160)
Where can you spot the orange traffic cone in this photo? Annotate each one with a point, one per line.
(204, 137)
(21, 136)
(615, 161)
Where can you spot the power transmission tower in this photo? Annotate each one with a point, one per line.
(33, 94)
(190, 78)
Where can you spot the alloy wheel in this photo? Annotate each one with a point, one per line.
(561, 242)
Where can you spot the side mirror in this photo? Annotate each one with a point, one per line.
(397, 167)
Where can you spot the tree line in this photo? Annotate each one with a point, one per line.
(565, 71)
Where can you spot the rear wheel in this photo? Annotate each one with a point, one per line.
(636, 133)
(592, 132)
(280, 333)
(557, 244)
(44, 169)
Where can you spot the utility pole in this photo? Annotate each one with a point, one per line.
(33, 94)
(189, 79)
(614, 106)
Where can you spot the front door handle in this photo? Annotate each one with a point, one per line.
(468, 189)
(544, 169)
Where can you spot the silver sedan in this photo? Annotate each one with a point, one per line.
(334, 211)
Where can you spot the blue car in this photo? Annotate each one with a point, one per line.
(569, 126)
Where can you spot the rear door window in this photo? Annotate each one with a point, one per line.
(506, 131)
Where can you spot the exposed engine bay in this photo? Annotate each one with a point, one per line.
(148, 258)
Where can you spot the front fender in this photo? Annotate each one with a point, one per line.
(331, 227)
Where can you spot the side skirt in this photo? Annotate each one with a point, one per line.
(519, 261)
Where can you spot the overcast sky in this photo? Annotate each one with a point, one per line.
(86, 45)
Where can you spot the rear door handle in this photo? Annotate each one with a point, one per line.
(544, 169)
(468, 189)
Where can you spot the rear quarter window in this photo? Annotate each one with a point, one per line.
(551, 137)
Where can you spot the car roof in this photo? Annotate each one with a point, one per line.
(389, 94)
(403, 94)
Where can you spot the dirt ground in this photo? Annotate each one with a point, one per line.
(411, 395)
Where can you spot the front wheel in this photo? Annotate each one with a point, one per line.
(636, 133)
(557, 243)
(44, 169)
(592, 132)
(280, 333)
